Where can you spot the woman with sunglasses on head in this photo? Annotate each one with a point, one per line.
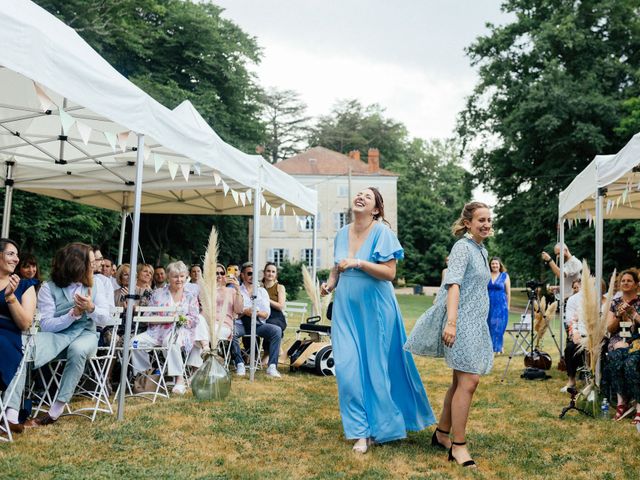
(17, 306)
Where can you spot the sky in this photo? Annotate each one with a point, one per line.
(406, 55)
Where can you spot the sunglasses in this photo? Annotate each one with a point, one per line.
(219, 274)
(249, 274)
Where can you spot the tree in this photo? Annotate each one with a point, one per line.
(432, 190)
(352, 126)
(286, 123)
(550, 96)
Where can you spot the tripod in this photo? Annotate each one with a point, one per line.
(572, 404)
(532, 304)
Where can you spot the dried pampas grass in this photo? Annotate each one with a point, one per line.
(209, 288)
(543, 316)
(312, 287)
(595, 323)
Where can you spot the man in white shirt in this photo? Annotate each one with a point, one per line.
(572, 268)
(99, 277)
(107, 271)
(270, 333)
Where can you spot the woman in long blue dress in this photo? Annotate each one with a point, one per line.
(499, 301)
(456, 328)
(380, 392)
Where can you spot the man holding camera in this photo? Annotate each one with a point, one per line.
(572, 268)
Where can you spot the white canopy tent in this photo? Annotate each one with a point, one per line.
(615, 178)
(66, 123)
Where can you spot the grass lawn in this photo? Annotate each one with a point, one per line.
(290, 428)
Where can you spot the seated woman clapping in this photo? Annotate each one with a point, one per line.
(623, 359)
(17, 305)
(172, 295)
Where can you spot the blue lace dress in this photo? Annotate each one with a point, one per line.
(379, 388)
(472, 350)
(498, 310)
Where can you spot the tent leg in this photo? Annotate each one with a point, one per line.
(8, 199)
(599, 234)
(314, 252)
(255, 260)
(561, 280)
(132, 278)
(123, 228)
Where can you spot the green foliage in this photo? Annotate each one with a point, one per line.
(552, 87)
(290, 275)
(352, 126)
(323, 275)
(432, 189)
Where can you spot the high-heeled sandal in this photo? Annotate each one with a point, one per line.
(468, 463)
(636, 419)
(434, 439)
(621, 409)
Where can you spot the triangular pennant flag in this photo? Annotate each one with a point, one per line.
(111, 139)
(158, 161)
(225, 188)
(277, 210)
(123, 137)
(249, 195)
(293, 210)
(617, 202)
(267, 208)
(66, 120)
(262, 201)
(283, 207)
(45, 102)
(234, 194)
(85, 132)
(196, 168)
(147, 152)
(185, 171)
(216, 178)
(173, 169)
(243, 198)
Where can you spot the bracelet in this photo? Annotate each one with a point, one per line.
(547, 262)
(452, 324)
(358, 265)
(10, 299)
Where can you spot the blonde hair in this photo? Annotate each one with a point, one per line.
(459, 228)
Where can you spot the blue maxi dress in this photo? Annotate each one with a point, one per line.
(379, 389)
(498, 311)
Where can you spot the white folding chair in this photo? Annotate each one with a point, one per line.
(159, 354)
(299, 309)
(94, 383)
(27, 352)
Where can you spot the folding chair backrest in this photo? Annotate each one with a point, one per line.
(156, 314)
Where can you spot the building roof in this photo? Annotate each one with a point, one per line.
(322, 161)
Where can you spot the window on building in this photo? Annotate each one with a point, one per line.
(308, 223)
(277, 255)
(340, 219)
(278, 223)
(343, 191)
(306, 255)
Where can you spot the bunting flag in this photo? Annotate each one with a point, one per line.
(46, 104)
(185, 169)
(293, 210)
(249, 195)
(85, 132)
(225, 188)
(173, 169)
(123, 138)
(158, 161)
(217, 179)
(267, 208)
(283, 207)
(196, 168)
(147, 152)
(66, 120)
(243, 198)
(234, 194)
(262, 201)
(111, 139)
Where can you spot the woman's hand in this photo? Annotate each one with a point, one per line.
(347, 263)
(232, 280)
(577, 338)
(620, 344)
(84, 303)
(14, 280)
(449, 334)
(326, 288)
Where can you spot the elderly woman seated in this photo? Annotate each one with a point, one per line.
(187, 335)
(622, 370)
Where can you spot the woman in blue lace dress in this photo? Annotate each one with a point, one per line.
(456, 328)
(380, 392)
(499, 303)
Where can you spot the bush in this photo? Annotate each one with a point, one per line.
(323, 275)
(290, 275)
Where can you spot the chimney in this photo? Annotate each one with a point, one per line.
(355, 154)
(373, 159)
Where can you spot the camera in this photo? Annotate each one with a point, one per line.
(532, 284)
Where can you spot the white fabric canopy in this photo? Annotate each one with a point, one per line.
(67, 120)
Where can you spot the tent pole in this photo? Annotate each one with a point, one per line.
(8, 198)
(314, 252)
(123, 227)
(256, 259)
(561, 280)
(135, 232)
(599, 233)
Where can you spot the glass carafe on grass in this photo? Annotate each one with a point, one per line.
(212, 381)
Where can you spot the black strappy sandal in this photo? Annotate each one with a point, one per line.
(468, 463)
(434, 439)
